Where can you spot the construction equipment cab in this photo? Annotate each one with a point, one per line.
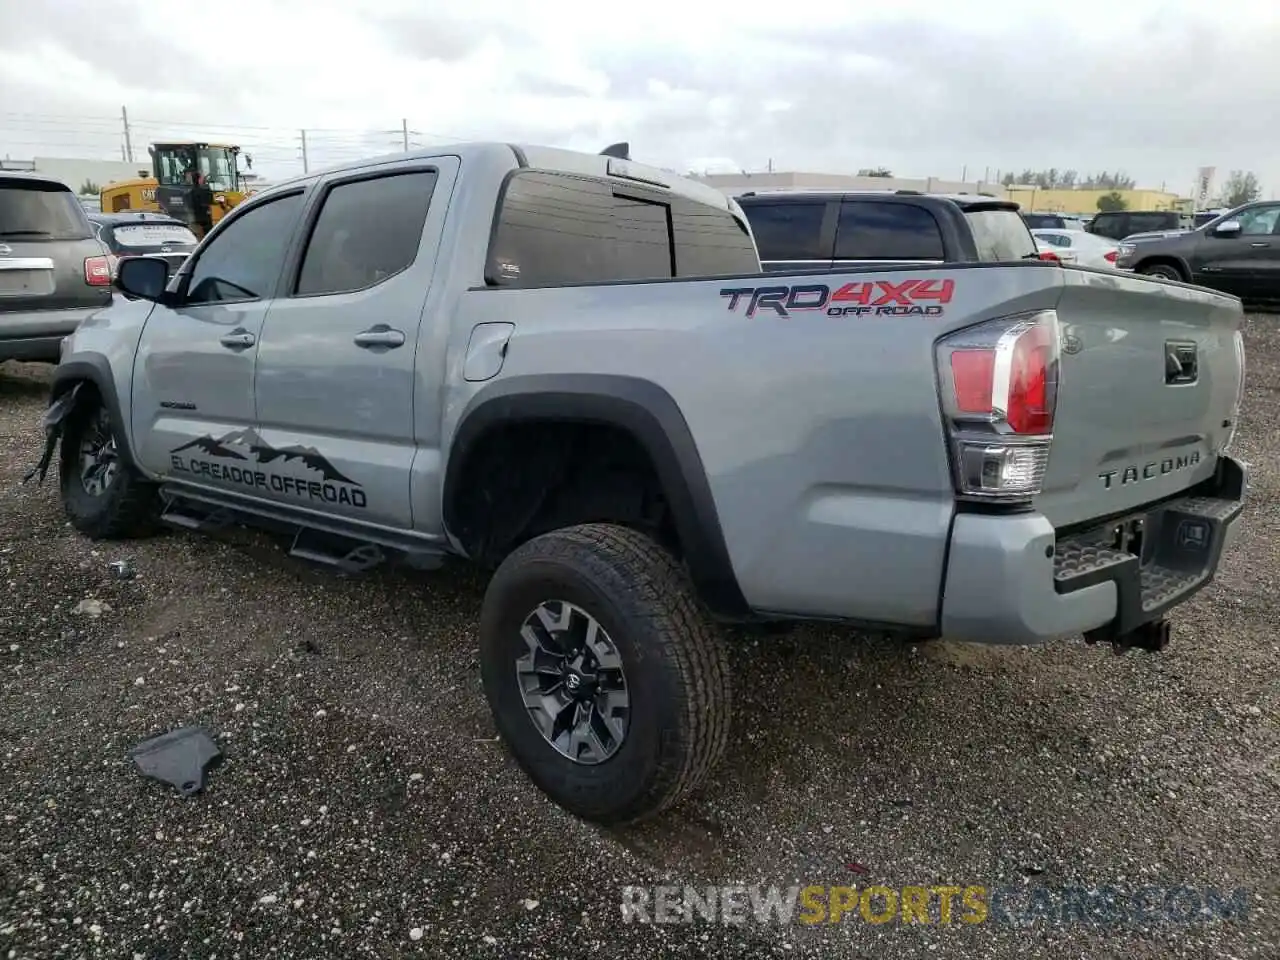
(169, 189)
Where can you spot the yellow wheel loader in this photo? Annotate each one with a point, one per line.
(169, 188)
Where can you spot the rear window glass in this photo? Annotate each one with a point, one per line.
(40, 211)
(152, 234)
(710, 242)
(788, 231)
(871, 230)
(1000, 235)
(1038, 221)
(559, 229)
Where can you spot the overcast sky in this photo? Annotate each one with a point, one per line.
(924, 88)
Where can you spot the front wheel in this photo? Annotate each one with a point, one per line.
(606, 680)
(1164, 271)
(104, 497)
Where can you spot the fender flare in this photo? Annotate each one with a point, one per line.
(652, 416)
(93, 368)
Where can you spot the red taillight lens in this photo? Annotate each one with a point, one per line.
(972, 372)
(1050, 256)
(1030, 409)
(97, 271)
(1110, 256)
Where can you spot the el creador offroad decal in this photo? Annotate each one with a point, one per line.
(235, 457)
(867, 298)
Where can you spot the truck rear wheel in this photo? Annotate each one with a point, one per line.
(606, 680)
(104, 497)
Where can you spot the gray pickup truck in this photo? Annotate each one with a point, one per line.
(569, 368)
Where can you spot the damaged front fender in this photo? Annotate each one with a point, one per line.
(54, 418)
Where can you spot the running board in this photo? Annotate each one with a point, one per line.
(350, 549)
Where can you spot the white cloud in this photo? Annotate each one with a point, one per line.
(924, 88)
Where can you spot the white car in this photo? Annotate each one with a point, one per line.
(1076, 246)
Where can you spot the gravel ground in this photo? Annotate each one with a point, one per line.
(365, 809)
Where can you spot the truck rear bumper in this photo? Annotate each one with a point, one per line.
(1014, 579)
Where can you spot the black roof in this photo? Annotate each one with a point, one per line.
(965, 201)
(131, 217)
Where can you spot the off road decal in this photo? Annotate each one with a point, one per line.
(864, 298)
(235, 457)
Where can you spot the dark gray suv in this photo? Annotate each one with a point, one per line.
(53, 270)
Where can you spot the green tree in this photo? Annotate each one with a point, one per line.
(89, 189)
(875, 172)
(1241, 187)
(1112, 201)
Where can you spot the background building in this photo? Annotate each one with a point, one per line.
(1030, 198)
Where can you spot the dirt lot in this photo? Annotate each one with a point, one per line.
(364, 808)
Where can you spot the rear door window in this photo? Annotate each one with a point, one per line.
(870, 230)
(368, 231)
(788, 230)
(558, 229)
(1001, 236)
(37, 210)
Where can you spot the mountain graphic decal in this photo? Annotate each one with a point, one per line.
(214, 448)
(258, 450)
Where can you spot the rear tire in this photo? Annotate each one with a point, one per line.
(650, 715)
(1165, 271)
(103, 497)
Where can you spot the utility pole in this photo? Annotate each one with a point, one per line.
(964, 174)
(128, 141)
(404, 129)
(304, 151)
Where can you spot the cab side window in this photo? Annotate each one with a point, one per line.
(244, 260)
(1259, 222)
(368, 231)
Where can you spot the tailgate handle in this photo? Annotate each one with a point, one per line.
(1180, 362)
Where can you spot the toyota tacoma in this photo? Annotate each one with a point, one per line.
(570, 368)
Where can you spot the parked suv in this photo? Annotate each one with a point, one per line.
(144, 234)
(569, 369)
(53, 270)
(810, 230)
(1118, 224)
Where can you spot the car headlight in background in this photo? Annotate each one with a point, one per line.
(1126, 250)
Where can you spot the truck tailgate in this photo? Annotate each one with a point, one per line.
(1149, 385)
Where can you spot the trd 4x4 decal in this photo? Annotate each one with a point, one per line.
(234, 457)
(864, 298)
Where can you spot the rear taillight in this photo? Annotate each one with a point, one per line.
(1110, 256)
(97, 271)
(999, 383)
(1050, 256)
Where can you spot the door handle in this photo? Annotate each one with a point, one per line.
(238, 339)
(1260, 243)
(379, 336)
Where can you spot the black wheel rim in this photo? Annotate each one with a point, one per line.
(571, 679)
(99, 459)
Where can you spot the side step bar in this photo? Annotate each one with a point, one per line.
(348, 548)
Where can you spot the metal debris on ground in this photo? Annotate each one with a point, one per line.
(180, 758)
(122, 569)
